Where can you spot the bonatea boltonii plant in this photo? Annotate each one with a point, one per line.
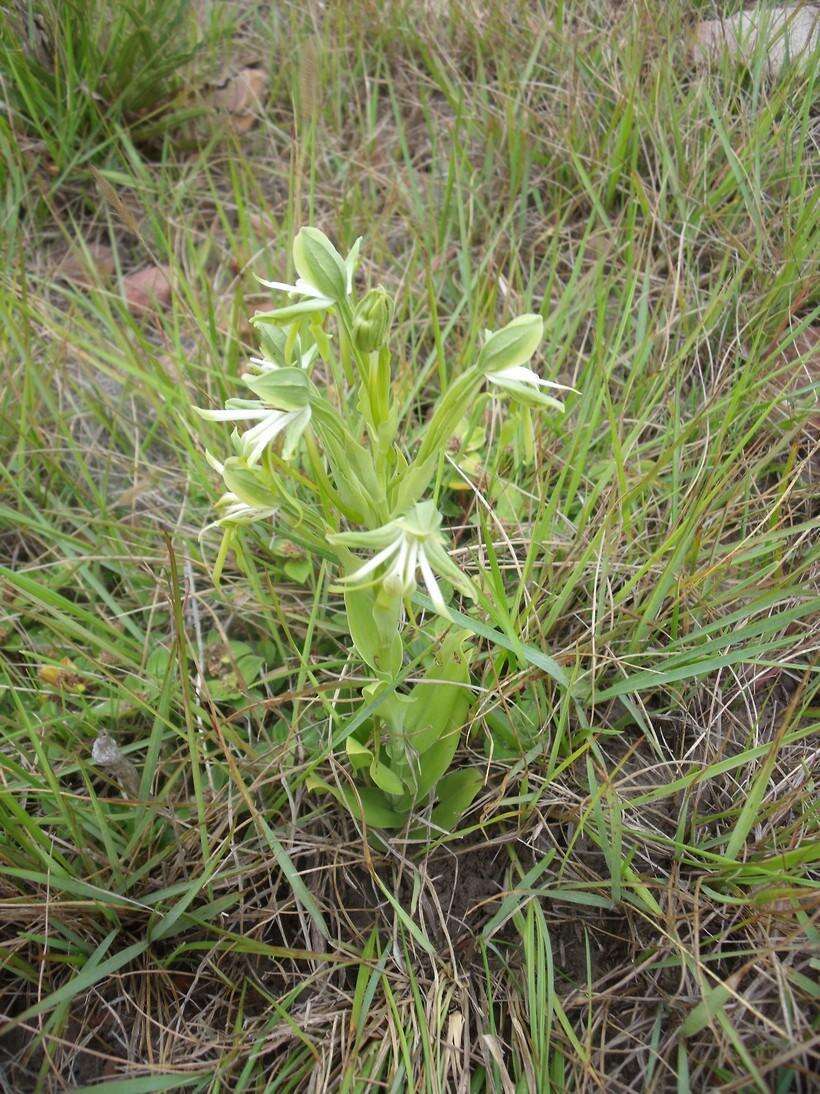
(336, 477)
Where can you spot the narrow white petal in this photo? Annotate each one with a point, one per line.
(239, 414)
(374, 562)
(432, 585)
(256, 440)
(272, 417)
(214, 463)
(409, 576)
(396, 571)
(281, 286)
(295, 428)
(520, 374)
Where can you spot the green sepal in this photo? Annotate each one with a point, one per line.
(529, 396)
(282, 388)
(319, 263)
(300, 310)
(513, 345)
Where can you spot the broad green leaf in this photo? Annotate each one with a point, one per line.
(455, 793)
(385, 779)
(366, 801)
(381, 651)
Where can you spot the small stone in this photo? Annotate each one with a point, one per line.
(148, 288)
(106, 752)
(241, 96)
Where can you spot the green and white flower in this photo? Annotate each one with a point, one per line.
(271, 422)
(274, 355)
(233, 511)
(325, 278)
(504, 356)
(404, 546)
(524, 384)
(283, 407)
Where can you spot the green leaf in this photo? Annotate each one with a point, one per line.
(142, 1084)
(359, 755)
(298, 569)
(91, 973)
(366, 801)
(701, 1015)
(455, 792)
(381, 650)
(411, 485)
(439, 703)
(537, 658)
(385, 779)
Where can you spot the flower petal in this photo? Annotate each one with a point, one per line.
(294, 430)
(256, 440)
(373, 563)
(522, 375)
(432, 585)
(234, 414)
(301, 288)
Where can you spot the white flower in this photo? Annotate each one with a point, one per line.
(283, 406)
(404, 545)
(271, 421)
(523, 383)
(234, 511)
(504, 356)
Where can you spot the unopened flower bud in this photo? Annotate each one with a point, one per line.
(371, 320)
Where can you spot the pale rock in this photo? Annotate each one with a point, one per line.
(241, 97)
(148, 288)
(790, 33)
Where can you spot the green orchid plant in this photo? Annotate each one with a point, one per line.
(321, 453)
